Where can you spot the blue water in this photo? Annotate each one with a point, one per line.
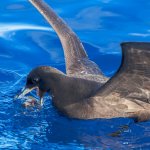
(26, 41)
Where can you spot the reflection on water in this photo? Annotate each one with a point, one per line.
(26, 41)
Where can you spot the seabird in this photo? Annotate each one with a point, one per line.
(84, 92)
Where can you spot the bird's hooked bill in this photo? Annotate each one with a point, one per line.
(24, 92)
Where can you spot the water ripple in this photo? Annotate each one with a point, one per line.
(6, 29)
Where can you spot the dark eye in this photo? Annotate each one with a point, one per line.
(35, 80)
(32, 81)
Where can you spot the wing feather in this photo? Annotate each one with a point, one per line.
(77, 61)
(132, 81)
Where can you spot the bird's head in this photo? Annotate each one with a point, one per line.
(41, 79)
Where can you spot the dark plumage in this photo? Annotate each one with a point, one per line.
(84, 92)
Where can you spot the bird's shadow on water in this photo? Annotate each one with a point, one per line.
(117, 133)
(93, 133)
(88, 133)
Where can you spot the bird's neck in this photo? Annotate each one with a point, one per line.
(69, 90)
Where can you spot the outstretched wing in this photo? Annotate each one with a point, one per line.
(132, 81)
(77, 61)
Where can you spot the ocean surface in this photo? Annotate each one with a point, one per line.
(27, 41)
